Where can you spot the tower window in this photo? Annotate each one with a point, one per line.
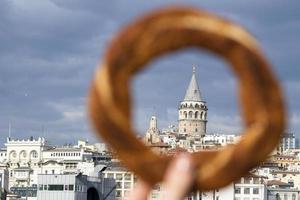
(184, 130)
(196, 130)
(190, 114)
(196, 115)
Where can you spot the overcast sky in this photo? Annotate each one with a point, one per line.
(49, 50)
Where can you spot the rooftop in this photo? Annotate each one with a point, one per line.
(193, 91)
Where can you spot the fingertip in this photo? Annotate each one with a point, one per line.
(179, 177)
(140, 191)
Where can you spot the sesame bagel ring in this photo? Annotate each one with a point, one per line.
(165, 31)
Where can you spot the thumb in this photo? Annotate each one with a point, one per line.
(179, 178)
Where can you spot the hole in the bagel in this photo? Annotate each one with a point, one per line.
(170, 120)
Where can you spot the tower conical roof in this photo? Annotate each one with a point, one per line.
(193, 92)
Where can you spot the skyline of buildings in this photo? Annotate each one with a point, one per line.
(36, 170)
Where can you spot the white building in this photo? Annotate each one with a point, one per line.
(220, 139)
(26, 159)
(125, 181)
(225, 193)
(288, 141)
(282, 191)
(250, 187)
(3, 182)
(74, 187)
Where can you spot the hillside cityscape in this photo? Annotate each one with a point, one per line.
(35, 170)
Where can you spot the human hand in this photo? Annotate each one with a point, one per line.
(176, 184)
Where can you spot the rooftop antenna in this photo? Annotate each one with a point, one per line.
(154, 113)
(9, 129)
(194, 68)
(44, 131)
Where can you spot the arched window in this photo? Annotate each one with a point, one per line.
(13, 154)
(190, 115)
(197, 105)
(201, 115)
(185, 114)
(205, 115)
(33, 154)
(285, 197)
(22, 154)
(196, 130)
(196, 115)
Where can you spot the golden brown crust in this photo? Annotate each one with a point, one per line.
(168, 30)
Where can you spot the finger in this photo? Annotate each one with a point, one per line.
(179, 178)
(140, 191)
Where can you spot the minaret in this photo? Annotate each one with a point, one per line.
(153, 124)
(192, 110)
(152, 135)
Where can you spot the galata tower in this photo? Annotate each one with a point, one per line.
(192, 110)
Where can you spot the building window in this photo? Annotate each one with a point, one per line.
(23, 154)
(128, 177)
(285, 197)
(119, 176)
(127, 185)
(256, 180)
(247, 191)
(71, 187)
(55, 187)
(237, 190)
(34, 154)
(190, 115)
(40, 187)
(255, 190)
(118, 193)
(119, 185)
(13, 154)
(78, 188)
(110, 175)
(247, 180)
